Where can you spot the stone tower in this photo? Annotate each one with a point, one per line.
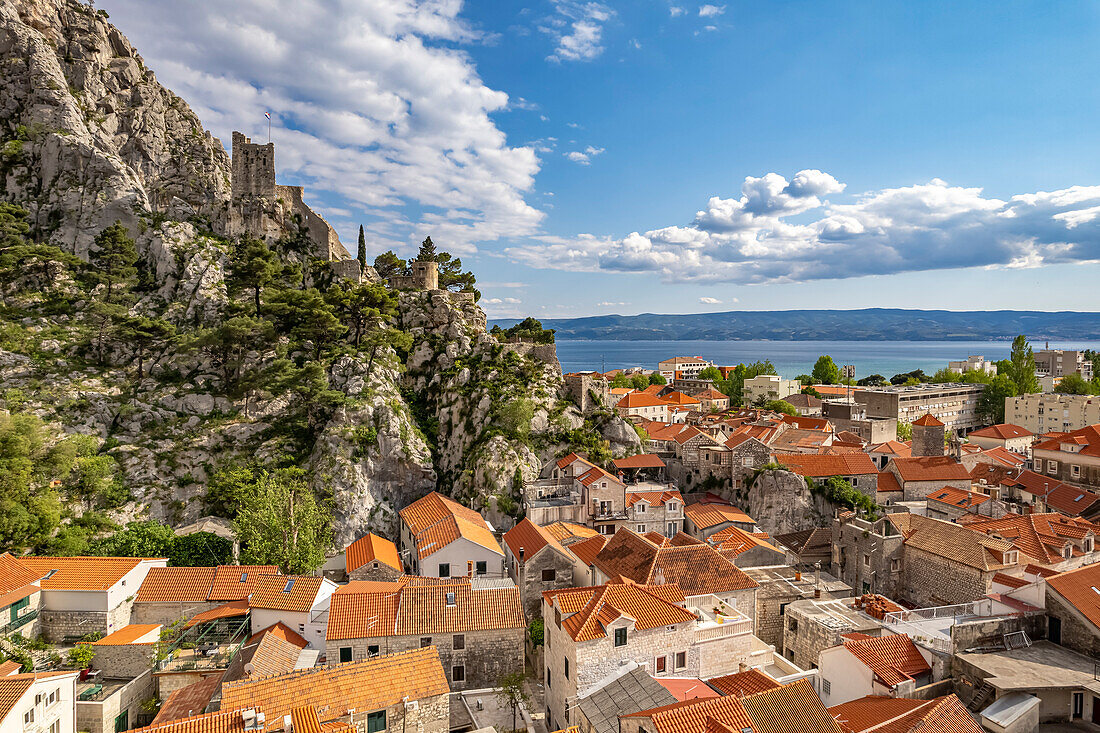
(928, 435)
(426, 273)
(253, 168)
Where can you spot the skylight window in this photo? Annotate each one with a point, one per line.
(288, 586)
(244, 577)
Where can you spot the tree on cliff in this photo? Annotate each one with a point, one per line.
(451, 276)
(253, 265)
(362, 255)
(389, 265)
(427, 251)
(360, 306)
(143, 335)
(113, 260)
(281, 523)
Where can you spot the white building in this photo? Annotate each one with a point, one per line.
(769, 387)
(889, 666)
(299, 601)
(447, 540)
(973, 364)
(683, 367)
(38, 703)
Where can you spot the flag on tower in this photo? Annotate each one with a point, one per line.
(267, 115)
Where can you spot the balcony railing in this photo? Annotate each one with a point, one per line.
(20, 622)
(722, 627)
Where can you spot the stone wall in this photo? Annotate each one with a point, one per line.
(931, 580)
(486, 657)
(57, 625)
(253, 168)
(587, 392)
(532, 585)
(168, 613)
(98, 716)
(125, 661)
(546, 353)
(1077, 633)
(965, 636)
(325, 240)
(427, 715)
(378, 571)
(866, 560)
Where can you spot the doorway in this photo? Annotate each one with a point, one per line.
(1078, 705)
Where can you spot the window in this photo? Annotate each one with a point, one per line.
(866, 561)
(567, 668)
(1088, 544)
(1075, 471)
(458, 641)
(425, 641)
(548, 678)
(792, 624)
(620, 637)
(301, 628)
(660, 666)
(376, 721)
(640, 529)
(826, 687)
(640, 507)
(372, 651)
(244, 577)
(549, 575)
(345, 653)
(458, 673)
(288, 585)
(895, 565)
(482, 567)
(444, 570)
(28, 717)
(52, 697)
(1052, 466)
(681, 660)
(55, 727)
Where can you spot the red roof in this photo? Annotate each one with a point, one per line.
(371, 547)
(1079, 589)
(1087, 441)
(686, 688)
(588, 549)
(1003, 431)
(643, 460)
(531, 538)
(591, 609)
(958, 497)
(928, 421)
(903, 715)
(641, 399)
(893, 658)
(743, 683)
(807, 423)
(930, 468)
(822, 466)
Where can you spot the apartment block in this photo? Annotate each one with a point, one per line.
(1052, 412)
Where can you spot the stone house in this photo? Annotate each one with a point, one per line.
(170, 594)
(368, 558)
(446, 539)
(590, 632)
(881, 453)
(642, 406)
(688, 443)
(735, 459)
(1073, 610)
(402, 691)
(537, 562)
(805, 404)
(867, 555)
(1010, 437)
(116, 699)
(950, 504)
(856, 468)
(80, 595)
(1049, 540)
(605, 497)
(584, 555)
(298, 601)
(477, 625)
(1073, 457)
(813, 625)
(745, 549)
(781, 585)
(20, 596)
(43, 701)
(696, 567)
(918, 476)
(629, 689)
(889, 666)
(711, 400)
(655, 511)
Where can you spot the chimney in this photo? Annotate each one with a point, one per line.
(521, 553)
(797, 576)
(742, 667)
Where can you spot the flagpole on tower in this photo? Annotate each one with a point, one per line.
(268, 116)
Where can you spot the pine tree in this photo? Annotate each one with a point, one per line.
(427, 251)
(362, 248)
(254, 265)
(114, 259)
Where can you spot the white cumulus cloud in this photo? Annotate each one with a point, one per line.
(780, 230)
(711, 11)
(584, 157)
(577, 29)
(676, 11)
(375, 109)
(705, 300)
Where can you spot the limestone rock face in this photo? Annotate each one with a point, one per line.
(780, 502)
(90, 135)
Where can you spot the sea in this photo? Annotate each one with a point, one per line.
(792, 358)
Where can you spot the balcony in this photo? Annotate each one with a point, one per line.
(20, 622)
(718, 620)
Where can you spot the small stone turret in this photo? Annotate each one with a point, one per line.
(423, 275)
(928, 435)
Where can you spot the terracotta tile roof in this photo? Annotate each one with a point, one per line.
(705, 516)
(226, 720)
(1010, 580)
(17, 581)
(743, 683)
(295, 593)
(1069, 500)
(847, 436)
(1039, 536)
(236, 582)
(305, 720)
(1003, 431)
(893, 658)
(588, 549)
(686, 688)
(679, 398)
(280, 631)
(419, 606)
(711, 394)
(695, 568)
(233, 609)
(793, 708)
(799, 438)
(591, 609)
(807, 423)
(641, 399)
(12, 688)
(80, 573)
(902, 715)
(643, 460)
(818, 466)
(1002, 456)
(928, 421)
(818, 540)
(188, 701)
(1088, 438)
(562, 531)
(270, 655)
(566, 460)
(1079, 589)
(733, 541)
(691, 432)
(958, 497)
(432, 508)
(655, 498)
(436, 521)
(892, 448)
(930, 468)
(367, 685)
(802, 400)
(887, 483)
(952, 541)
(596, 473)
(693, 716)
(371, 547)
(176, 585)
(9, 667)
(130, 634)
(531, 538)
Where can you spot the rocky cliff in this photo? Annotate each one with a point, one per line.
(91, 138)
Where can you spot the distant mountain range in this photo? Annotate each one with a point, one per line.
(871, 324)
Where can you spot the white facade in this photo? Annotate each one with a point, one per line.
(973, 364)
(48, 706)
(101, 600)
(311, 624)
(769, 387)
(460, 558)
(1043, 413)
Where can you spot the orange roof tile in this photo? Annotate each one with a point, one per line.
(1079, 589)
(679, 398)
(130, 634)
(887, 483)
(902, 715)
(222, 721)
(643, 460)
(12, 688)
(686, 688)
(1010, 580)
(930, 468)
(371, 684)
(279, 630)
(236, 582)
(436, 521)
(15, 576)
(893, 658)
(1039, 536)
(928, 421)
(819, 466)
(892, 448)
(562, 531)
(705, 516)
(693, 716)
(958, 497)
(80, 573)
(432, 508)
(295, 593)
(793, 708)
(696, 568)
(592, 608)
(531, 538)
(270, 655)
(422, 606)
(807, 423)
(711, 394)
(371, 547)
(641, 399)
(1003, 431)
(743, 683)
(233, 609)
(187, 701)
(596, 473)
(588, 549)
(9, 667)
(305, 720)
(176, 585)
(654, 498)
(952, 541)
(1087, 437)
(733, 541)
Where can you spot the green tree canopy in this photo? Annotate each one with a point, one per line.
(282, 523)
(710, 373)
(656, 378)
(427, 250)
(639, 381)
(1020, 367)
(253, 266)
(362, 252)
(991, 403)
(113, 259)
(780, 406)
(388, 265)
(305, 317)
(230, 343)
(872, 380)
(825, 371)
(1074, 383)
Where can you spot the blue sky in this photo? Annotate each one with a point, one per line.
(593, 157)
